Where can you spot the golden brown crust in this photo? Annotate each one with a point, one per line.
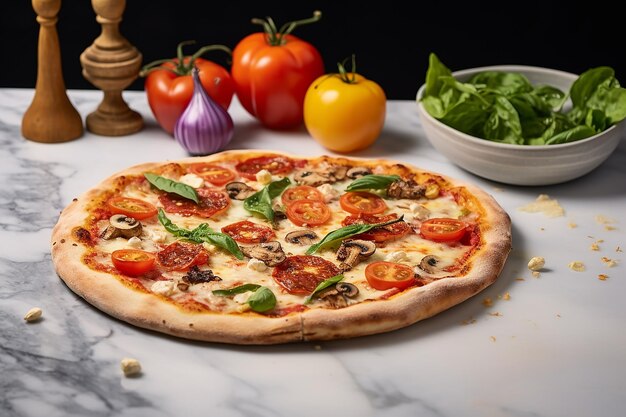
(151, 311)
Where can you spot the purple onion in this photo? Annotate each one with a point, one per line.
(204, 127)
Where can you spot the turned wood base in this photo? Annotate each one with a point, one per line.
(113, 117)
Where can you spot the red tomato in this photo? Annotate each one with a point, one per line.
(179, 256)
(380, 234)
(443, 229)
(132, 262)
(248, 232)
(311, 213)
(169, 86)
(356, 202)
(131, 207)
(272, 72)
(212, 203)
(301, 192)
(302, 273)
(274, 164)
(383, 275)
(213, 173)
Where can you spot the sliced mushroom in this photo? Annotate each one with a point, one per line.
(301, 237)
(406, 189)
(239, 190)
(311, 177)
(429, 264)
(121, 226)
(339, 172)
(352, 251)
(346, 289)
(358, 172)
(271, 253)
(279, 211)
(333, 298)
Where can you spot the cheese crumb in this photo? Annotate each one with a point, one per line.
(33, 315)
(536, 274)
(572, 225)
(329, 192)
(506, 296)
(397, 257)
(264, 177)
(536, 263)
(134, 242)
(601, 219)
(256, 265)
(594, 246)
(130, 366)
(158, 236)
(609, 262)
(192, 180)
(546, 205)
(419, 211)
(577, 266)
(165, 288)
(602, 277)
(493, 338)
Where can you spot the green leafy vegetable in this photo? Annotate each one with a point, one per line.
(171, 186)
(506, 107)
(372, 182)
(261, 201)
(322, 286)
(348, 231)
(202, 233)
(262, 299)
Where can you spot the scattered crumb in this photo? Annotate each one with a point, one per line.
(602, 277)
(536, 263)
(471, 320)
(546, 205)
(536, 274)
(33, 315)
(609, 228)
(317, 347)
(497, 189)
(609, 262)
(493, 338)
(618, 249)
(601, 219)
(130, 366)
(488, 302)
(496, 314)
(594, 246)
(519, 279)
(577, 266)
(558, 316)
(506, 296)
(572, 225)
(542, 229)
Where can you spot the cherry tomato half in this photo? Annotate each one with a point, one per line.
(133, 262)
(247, 232)
(311, 213)
(383, 275)
(443, 229)
(274, 164)
(300, 274)
(213, 173)
(131, 207)
(301, 192)
(179, 256)
(356, 202)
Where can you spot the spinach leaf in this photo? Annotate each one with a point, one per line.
(347, 231)
(202, 233)
(322, 286)
(171, 186)
(261, 201)
(262, 300)
(236, 290)
(372, 182)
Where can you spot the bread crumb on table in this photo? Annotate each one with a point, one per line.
(130, 366)
(536, 263)
(33, 315)
(609, 262)
(544, 204)
(488, 302)
(602, 277)
(577, 266)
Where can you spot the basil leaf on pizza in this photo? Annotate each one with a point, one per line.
(322, 286)
(170, 186)
(372, 182)
(261, 201)
(261, 300)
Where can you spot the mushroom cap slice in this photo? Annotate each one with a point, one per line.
(429, 264)
(301, 237)
(352, 251)
(121, 225)
(239, 190)
(271, 253)
(358, 172)
(347, 289)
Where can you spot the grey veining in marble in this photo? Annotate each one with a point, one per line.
(555, 348)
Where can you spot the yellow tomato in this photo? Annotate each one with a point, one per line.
(344, 112)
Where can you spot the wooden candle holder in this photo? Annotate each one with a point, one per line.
(111, 63)
(51, 117)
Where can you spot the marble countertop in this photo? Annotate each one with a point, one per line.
(552, 345)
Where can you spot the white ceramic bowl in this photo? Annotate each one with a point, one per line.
(521, 164)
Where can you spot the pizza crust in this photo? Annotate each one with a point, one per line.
(150, 311)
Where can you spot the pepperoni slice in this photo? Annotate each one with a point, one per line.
(179, 256)
(302, 273)
(248, 232)
(381, 234)
(274, 164)
(212, 203)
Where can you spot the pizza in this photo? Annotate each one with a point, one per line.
(263, 247)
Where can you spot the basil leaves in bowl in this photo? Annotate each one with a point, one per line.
(522, 125)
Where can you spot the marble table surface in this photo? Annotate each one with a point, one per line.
(552, 345)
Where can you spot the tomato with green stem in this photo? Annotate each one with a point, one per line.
(272, 71)
(169, 83)
(345, 112)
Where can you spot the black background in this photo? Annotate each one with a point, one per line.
(390, 40)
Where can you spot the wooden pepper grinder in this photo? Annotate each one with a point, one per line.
(51, 117)
(111, 63)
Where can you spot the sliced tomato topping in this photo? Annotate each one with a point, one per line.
(213, 173)
(302, 273)
(311, 213)
(356, 202)
(383, 275)
(443, 229)
(248, 232)
(301, 192)
(380, 234)
(131, 207)
(212, 203)
(133, 262)
(179, 256)
(274, 164)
